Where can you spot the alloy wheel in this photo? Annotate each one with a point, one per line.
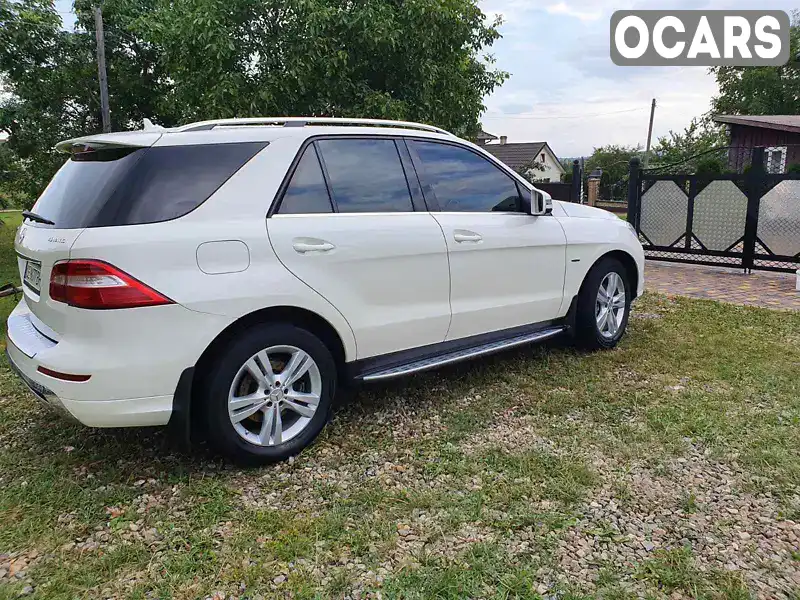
(610, 305)
(274, 395)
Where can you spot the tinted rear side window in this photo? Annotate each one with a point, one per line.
(129, 187)
(306, 192)
(366, 175)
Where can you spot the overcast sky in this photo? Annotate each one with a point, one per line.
(557, 52)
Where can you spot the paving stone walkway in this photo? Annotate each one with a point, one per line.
(759, 288)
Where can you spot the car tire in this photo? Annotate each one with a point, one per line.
(233, 388)
(592, 330)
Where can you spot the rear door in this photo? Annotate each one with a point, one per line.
(346, 225)
(506, 266)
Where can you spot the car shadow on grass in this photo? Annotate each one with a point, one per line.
(454, 378)
(134, 453)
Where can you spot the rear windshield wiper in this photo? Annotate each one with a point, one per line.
(26, 214)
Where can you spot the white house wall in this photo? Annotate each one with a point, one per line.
(553, 169)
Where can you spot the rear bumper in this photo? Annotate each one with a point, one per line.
(44, 394)
(131, 412)
(134, 360)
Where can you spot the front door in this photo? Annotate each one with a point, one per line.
(346, 227)
(506, 266)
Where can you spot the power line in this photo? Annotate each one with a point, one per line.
(534, 118)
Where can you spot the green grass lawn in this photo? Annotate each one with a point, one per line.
(668, 468)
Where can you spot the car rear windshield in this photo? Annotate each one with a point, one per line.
(132, 186)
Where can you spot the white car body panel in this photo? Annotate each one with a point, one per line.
(387, 272)
(511, 275)
(592, 233)
(392, 282)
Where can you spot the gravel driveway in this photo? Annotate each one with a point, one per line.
(669, 468)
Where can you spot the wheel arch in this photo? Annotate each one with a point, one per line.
(293, 315)
(628, 262)
(573, 316)
(631, 270)
(185, 421)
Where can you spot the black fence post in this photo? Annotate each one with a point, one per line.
(575, 191)
(756, 183)
(687, 243)
(634, 186)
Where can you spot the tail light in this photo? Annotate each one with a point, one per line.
(95, 284)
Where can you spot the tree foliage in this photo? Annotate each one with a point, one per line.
(761, 90)
(180, 60)
(614, 161)
(692, 149)
(529, 170)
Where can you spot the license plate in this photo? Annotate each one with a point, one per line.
(33, 275)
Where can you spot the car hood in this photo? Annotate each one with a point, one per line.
(583, 211)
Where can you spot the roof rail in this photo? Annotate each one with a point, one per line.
(303, 121)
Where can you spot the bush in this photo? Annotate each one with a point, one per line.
(709, 166)
(12, 198)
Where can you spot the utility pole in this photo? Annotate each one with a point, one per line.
(650, 132)
(101, 68)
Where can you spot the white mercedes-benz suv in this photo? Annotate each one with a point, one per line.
(228, 275)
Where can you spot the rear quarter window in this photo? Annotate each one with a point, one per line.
(111, 187)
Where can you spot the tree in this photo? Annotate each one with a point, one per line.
(682, 149)
(614, 161)
(567, 165)
(375, 58)
(529, 170)
(761, 90)
(180, 60)
(50, 76)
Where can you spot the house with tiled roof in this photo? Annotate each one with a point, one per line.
(519, 155)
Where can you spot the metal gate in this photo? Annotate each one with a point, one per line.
(747, 220)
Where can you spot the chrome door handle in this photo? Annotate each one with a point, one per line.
(305, 247)
(461, 235)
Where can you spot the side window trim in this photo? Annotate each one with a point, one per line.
(412, 177)
(325, 176)
(427, 187)
(522, 203)
(417, 172)
(431, 202)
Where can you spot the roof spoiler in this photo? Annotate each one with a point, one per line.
(128, 139)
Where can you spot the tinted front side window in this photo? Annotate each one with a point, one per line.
(464, 181)
(306, 192)
(117, 186)
(366, 175)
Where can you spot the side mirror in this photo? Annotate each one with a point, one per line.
(541, 203)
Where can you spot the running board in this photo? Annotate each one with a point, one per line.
(455, 356)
